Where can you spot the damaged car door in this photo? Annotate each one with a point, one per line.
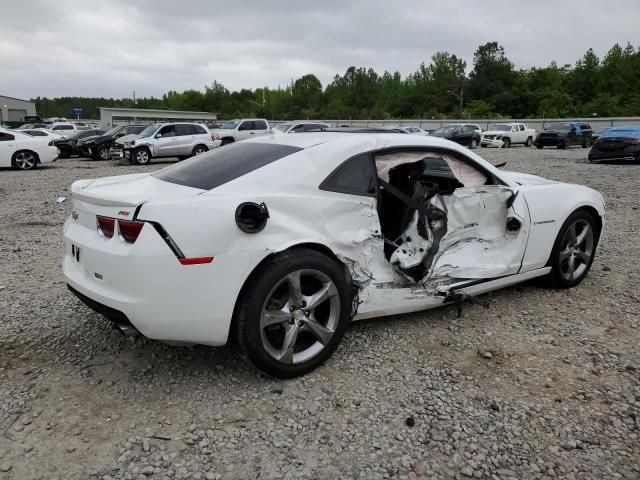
(444, 219)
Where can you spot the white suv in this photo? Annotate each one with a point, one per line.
(237, 130)
(181, 140)
(65, 128)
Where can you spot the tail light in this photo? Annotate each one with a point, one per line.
(127, 228)
(599, 140)
(130, 230)
(106, 226)
(632, 141)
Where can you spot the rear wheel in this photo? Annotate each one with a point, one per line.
(474, 143)
(573, 250)
(539, 147)
(141, 156)
(293, 312)
(529, 142)
(586, 143)
(25, 160)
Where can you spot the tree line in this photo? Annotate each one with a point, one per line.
(493, 88)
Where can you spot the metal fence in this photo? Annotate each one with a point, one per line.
(430, 124)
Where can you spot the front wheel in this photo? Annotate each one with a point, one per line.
(539, 147)
(104, 153)
(141, 156)
(293, 312)
(506, 142)
(198, 150)
(573, 250)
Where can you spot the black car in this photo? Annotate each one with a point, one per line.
(99, 148)
(565, 134)
(463, 134)
(601, 131)
(617, 144)
(69, 146)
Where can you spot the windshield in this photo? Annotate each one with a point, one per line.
(113, 131)
(501, 128)
(230, 125)
(283, 127)
(445, 130)
(559, 126)
(148, 131)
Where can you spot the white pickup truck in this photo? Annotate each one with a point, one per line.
(507, 134)
(236, 130)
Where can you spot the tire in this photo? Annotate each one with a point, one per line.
(529, 142)
(586, 142)
(198, 150)
(25, 160)
(226, 141)
(141, 156)
(539, 147)
(474, 144)
(564, 145)
(271, 289)
(103, 153)
(562, 274)
(483, 145)
(506, 142)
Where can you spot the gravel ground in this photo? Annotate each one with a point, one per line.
(543, 384)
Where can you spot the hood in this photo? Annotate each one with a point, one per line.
(495, 132)
(441, 135)
(221, 131)
(97, 139)
(525, 178)
(128, 190)
(127, 138)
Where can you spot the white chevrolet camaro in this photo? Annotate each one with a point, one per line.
(24, 151)
(277, 243)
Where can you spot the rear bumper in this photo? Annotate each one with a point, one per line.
(145, 284)
(614, 157)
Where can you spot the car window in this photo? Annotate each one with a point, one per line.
(468, 129)
(221, 165)
(168, 131)
(354, 177)
(6, 137)
(522, 128)
(197, 130)
(63, 127)
(248, 125)
(297, 129)
(259, 125)
(183, 130)
(135, 130)
(313, 127)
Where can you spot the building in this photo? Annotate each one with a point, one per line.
(14, 109)
(114, 116)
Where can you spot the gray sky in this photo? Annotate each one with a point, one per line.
(109, 48)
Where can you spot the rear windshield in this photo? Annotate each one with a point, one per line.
(224, 164)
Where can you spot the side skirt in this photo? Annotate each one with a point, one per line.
(479, 287)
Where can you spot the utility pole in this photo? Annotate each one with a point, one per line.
(134, 97)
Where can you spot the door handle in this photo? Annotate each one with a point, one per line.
(252, 133)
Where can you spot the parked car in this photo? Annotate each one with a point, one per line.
(464, 135)
(237, 130)
(412, 130)
(475, 126)
(30, 126)
(65, 128)
(507, 134)
(117, 147)
(43, 132)
(595, 135)
(69, 146)
(227, 247)
(299, 127)
(617, 144)
(99, 148)
(180, 140)
(19, 150)
(565, 134)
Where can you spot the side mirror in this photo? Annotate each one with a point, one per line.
(157, 135)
